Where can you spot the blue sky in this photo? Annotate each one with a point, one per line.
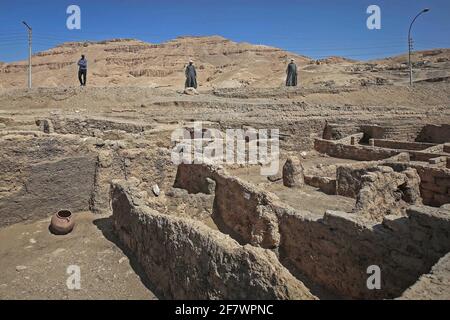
(316, 28)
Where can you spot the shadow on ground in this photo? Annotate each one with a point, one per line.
(105, 225)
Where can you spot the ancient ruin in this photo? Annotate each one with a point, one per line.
(348, 195)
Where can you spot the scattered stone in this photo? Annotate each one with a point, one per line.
(156, 190)
(275, 178)
(21, 268)
(58, 251)
(33, 241)
(123, 259)
(190, 91)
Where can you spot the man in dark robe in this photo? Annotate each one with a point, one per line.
(191, 76)
(291, 79)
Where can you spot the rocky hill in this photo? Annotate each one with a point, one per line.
(221, 63)
(125, 62)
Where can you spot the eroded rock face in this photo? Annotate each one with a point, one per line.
(186, 260)
(386, 192)
(293, 176)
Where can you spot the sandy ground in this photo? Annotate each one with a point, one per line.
(34, 262)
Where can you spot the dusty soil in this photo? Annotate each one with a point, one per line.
(34, 262)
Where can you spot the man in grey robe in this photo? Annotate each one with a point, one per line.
(191, 76)
(291, 79)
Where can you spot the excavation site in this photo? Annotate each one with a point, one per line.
(355, 206)
(232, 153)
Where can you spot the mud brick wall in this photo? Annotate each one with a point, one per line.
(325, 184)
(366, 153)
(435, 134)
(432, 286)
(184, 259)
(435, 185)
(446, 148)
(193, 177)
(336, 250)
(361, 153)
(295, 135)
(424, 156)
(49, 187)
(240, 209)
(392, 144)
(89, 126)
(395, 130)
(348, 178)
(40, 176)
(335, 131)
(245, 212)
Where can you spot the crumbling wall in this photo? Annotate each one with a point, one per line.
(184, 259)
(404, 145)
(241, 210)
(371, 153)
(359, 152)
(325, 184)
(245, 212)
(385, 192)
(435, 184)
(336, 250)
(195, 178)
(434, 133)
(432, 286)
(88, 126)
(349, 178)
(335, 131)
(151, 167)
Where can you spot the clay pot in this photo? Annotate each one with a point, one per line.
(62, 222)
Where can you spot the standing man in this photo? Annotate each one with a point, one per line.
(291, 79)
(82, 71)
(191, 76)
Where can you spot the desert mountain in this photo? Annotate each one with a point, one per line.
(221, 63)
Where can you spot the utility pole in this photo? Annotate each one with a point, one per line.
(410, 46)
(30, 35)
